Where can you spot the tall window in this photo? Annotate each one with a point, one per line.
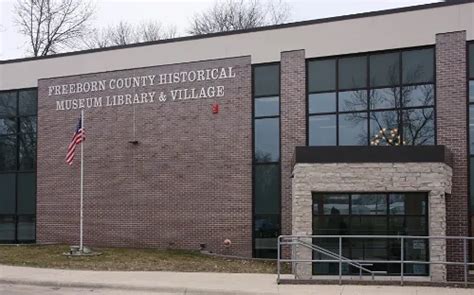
(471, 136)
(372, 99)
(372, 214)
(266, 159)
(18, 111)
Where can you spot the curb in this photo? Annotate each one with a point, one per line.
(174, 290)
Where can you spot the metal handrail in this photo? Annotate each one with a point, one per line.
(335, 256)
(283, 240)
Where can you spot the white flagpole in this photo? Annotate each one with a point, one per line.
(81, 247)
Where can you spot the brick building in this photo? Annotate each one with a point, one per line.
(352, 125)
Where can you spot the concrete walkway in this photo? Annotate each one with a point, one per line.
(193, 283)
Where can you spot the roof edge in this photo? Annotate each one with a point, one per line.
(243, 31)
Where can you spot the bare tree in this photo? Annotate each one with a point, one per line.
(415, 124)
(124, 33)
(230, 15)
(53, 25)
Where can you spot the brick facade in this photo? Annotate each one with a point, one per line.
(451, 106)
(293, 123)
(187, 181)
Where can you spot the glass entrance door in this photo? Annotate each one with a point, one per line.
(371, 214)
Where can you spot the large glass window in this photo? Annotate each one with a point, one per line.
(266, 158)
(17, 165)
(389, 96)
(371, 214)
(322, 75)
(471, 137)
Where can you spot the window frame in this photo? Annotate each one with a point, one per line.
(350, 216)
(17, 171)
(368, 90)
(470, 186)
(256, 163)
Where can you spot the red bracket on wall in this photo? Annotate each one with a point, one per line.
(215, 108)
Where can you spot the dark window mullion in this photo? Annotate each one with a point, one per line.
(17, 162)
(368, 100)
(337, 102)
(267, 117)
(401, 104)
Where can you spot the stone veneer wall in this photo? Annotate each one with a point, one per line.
(434, 178)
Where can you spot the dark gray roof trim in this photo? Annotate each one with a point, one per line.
(265, 28)
(372, 154)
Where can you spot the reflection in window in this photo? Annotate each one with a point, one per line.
(267, 209)
(471, 61)
(7, 152)
(267, 80)
(471, 91)
(331, 204)
(353, 129)
(384, 98)
(28, 124)
(471, 138)
(385, 69)
(323, 130)
(267, 106)
(27, 151)
(418, 95)
(350, 101)
(371, 214)
(369, 204)
(8, 104)
(17, 152)
(418, 66)
(7, 193)
(397, 204)
(267, 189)
(384, 128)
(267, 140)
(353, 72)
(27, 103)
(471, 128)
(389, 99)
(7, 126)
(322, 103)
(7, 228)
(26, 193)
(266, 155)
(418, 126)
(26, 228)
(322, 75)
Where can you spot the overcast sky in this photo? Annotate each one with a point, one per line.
(179, 12)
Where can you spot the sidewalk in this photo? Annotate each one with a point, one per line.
(195, 283)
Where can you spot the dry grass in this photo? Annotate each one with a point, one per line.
(51, 256)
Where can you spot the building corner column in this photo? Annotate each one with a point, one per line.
(452, 129)
(292, 134)
(292, 123)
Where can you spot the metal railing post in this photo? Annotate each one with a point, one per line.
(340, 260)
(465, 261)
(402, 257)
(278, 260)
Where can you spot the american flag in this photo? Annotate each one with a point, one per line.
(78, 137)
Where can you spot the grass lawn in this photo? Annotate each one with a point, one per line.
(129, 259)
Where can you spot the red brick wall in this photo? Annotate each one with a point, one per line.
(452, 131)
(186, 182)
(293, 123)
